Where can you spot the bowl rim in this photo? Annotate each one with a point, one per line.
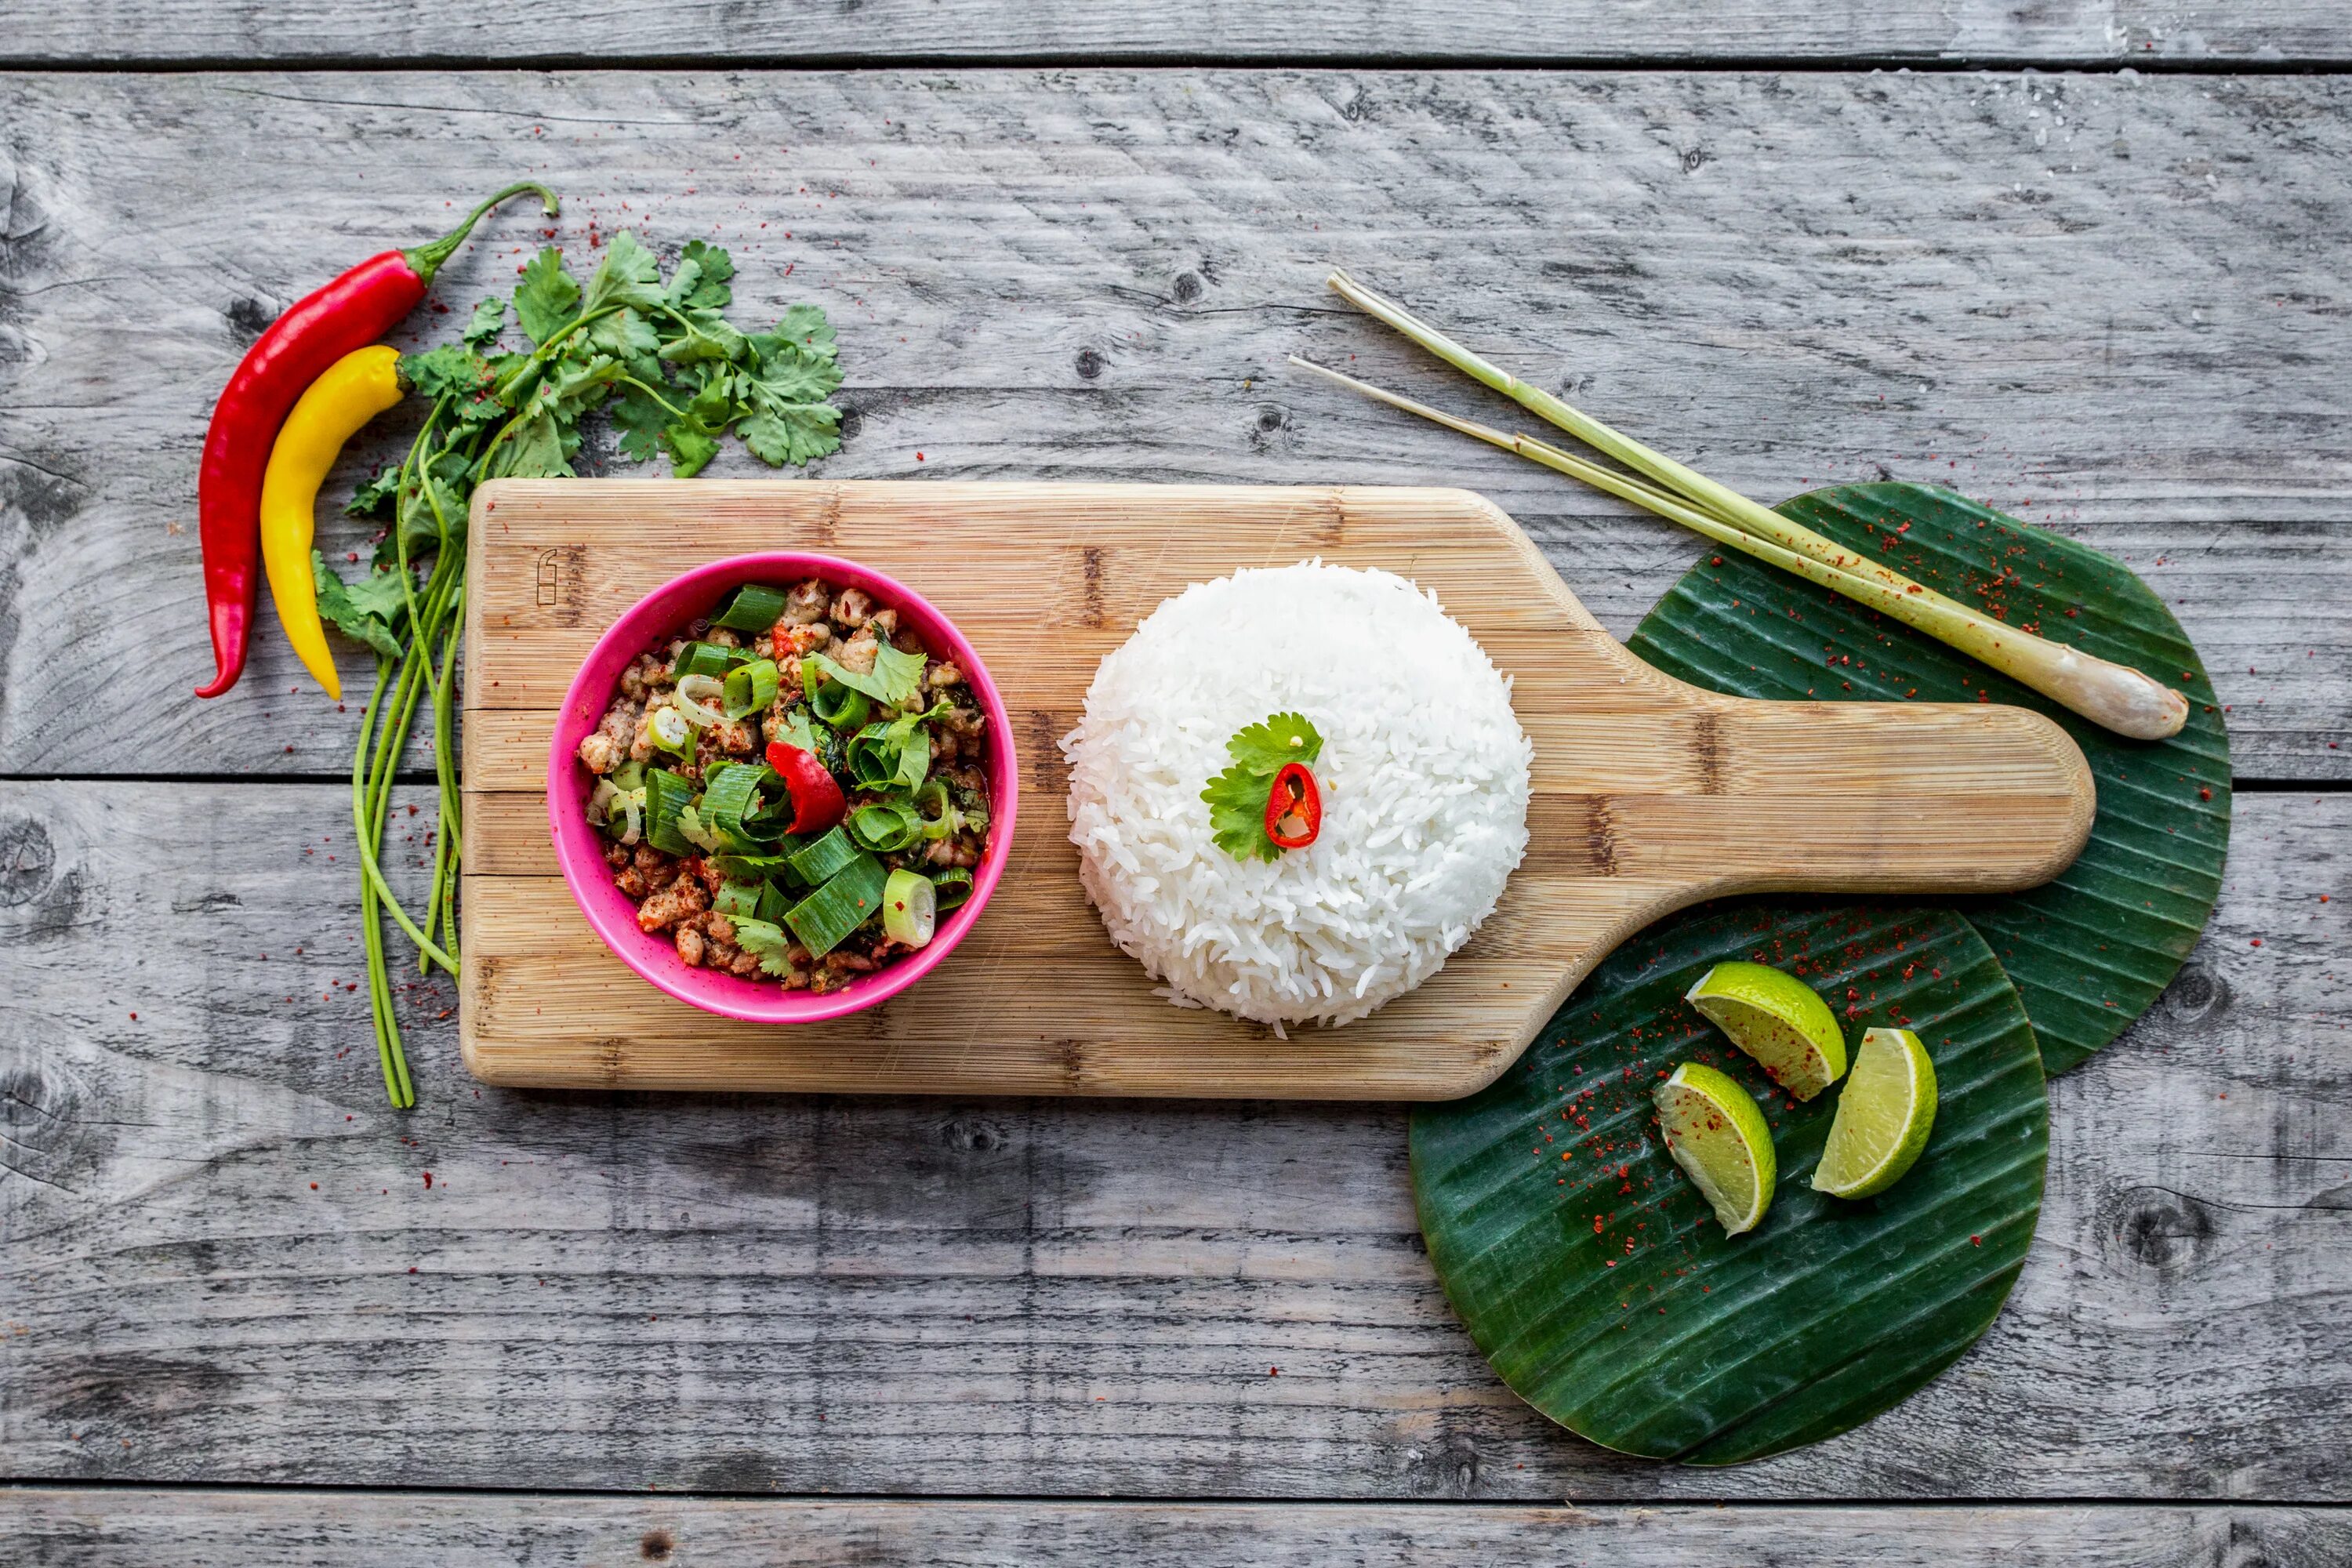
(579, 849)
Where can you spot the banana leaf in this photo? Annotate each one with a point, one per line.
(1594, 1277)
(2092, 951)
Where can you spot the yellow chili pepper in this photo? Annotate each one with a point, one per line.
(347, 394)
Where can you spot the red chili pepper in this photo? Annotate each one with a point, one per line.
(817, 800)
(349, 313)
(1294, 808)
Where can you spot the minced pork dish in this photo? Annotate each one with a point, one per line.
(792, 787)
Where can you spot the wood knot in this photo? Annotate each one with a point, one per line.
(1600, 836)
(2160, 1229)
(1090, 364)
(657, 1545)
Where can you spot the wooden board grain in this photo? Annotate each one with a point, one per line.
(2207, 34)
(68, 1527)
(2110, 306)
(1648, 794)
(210, 1218)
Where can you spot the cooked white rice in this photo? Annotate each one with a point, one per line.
(1423, 776)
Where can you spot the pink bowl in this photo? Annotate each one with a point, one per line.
(579, 847)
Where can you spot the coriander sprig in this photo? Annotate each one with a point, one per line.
(660, 359)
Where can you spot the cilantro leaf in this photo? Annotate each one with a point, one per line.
(631, 339)
(449, 371)
(791, 433)
(629, 274)
(1236, 798)
(489, 320)
(366, 612)
(540, 448)
(804, 327)
(376, 495)
(639, 419)
(576, 386)
(701, 282)
(785, 376)
(705, 335)
(545, 299)
(693, 437)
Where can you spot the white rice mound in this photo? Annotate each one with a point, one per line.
(1423, 775)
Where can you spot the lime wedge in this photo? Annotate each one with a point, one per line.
(1884, 1116)
(1717, 1136)
(1778, 1019)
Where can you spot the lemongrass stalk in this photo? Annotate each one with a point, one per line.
(1971, 631)
(2112, 695)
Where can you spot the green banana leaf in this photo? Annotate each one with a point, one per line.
(1599, 1285)
(2092, 951)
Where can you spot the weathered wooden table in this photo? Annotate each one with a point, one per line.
(248, 1314)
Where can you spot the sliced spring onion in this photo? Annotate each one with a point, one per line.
(633, 813)
(951, 888)
(630, 774)
(698, 697)
(670, 731)
(895, 755)
(935, 811)
(774, 902)
(706, 658)
(766, 940)
(822, 861)
(754, 608)
(601, 801)
(837, 702)
(750, 688)
(910, 909)
(667, 799)
(731, 793)
(825, 918)
(692, 828)
(883, 827)
(738, 900)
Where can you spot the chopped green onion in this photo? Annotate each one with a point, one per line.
(754, 608)
(909, 908)
(750, 688)
(837, 702)
(601, 801)
(823, 860)
(825, 918)
(698, 697)
(670, 731)
(729, 792)
(895, 755)
(952, 887)
(882, 827)
(705, 658)
(893, 681)
(774, 902)
(630, 774)
(738, 901)
(633, 811)
(767, 941)
(935, 811)
(667, 799)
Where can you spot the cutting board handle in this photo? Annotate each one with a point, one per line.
(1863, 797)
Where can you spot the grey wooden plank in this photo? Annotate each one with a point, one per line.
(2274, 32)
(65, 1528)
(2113, 305)
(226, 1263)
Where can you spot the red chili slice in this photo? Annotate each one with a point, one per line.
(1294, 808)
(817, 800)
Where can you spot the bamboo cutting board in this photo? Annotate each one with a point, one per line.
(1648, 795)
